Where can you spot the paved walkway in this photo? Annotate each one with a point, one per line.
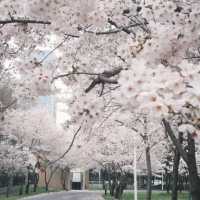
(71, 195)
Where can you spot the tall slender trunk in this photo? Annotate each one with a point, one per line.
(175, 175)
(27, 186)
(48, 177)
(63, 179)
(27, 181)
(192, 168)
(21, 189)
(168, 182)
(10, 185)
(180, 183)
(190, 159)
(46, 181)
(175, 170)
(36, 180)
(149, 173)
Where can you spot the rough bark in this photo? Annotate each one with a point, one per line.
(63, 180)
(192, 168)
(46, 181)
(175, 175)
(174, 140)
(175, 170)
(190, 159)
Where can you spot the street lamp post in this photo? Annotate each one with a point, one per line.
(162, 181)
(135, 174)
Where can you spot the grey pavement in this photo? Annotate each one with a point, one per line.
(71, 195)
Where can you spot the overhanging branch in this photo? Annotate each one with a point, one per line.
(101, 78)
(68, 149)
(23, 21)
(73, 73)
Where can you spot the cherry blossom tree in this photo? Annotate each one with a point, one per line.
(142, 54)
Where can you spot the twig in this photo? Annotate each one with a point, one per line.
(73, 73)
(58, 46)
(116, 30)
(192, 57)
(46, 56)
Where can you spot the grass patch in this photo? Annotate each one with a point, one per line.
(155, 196)
(31, 193)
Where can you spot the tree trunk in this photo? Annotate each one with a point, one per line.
(120, 186)
(175, 175)
(28, 184)
(21, 189)
(192, 168)
(149, 174)
(27, 188)
(190, 159)
(175, 170)
(112, 188)
(36, 180)
(46, 181)
(117, 191)
(63, 179)
(10, 185)
(180, 183)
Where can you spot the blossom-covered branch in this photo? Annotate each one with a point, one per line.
(102, 78)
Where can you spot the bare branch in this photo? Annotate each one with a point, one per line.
(93, 84)
(58, 46)
(72, 35)
(68, 149)
(12, 20)
(3, 109)
(105, 77)
(102, 89)
(113, 72)
(73, 73)
(102, 78)
(126, 29)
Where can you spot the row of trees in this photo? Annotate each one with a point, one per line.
(130, 70)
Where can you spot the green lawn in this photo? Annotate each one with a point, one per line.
(15, 197)
(155, 196)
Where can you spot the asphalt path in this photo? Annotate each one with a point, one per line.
(71, 195)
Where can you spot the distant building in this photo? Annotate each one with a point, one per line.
(49, 102)
(74, 179)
